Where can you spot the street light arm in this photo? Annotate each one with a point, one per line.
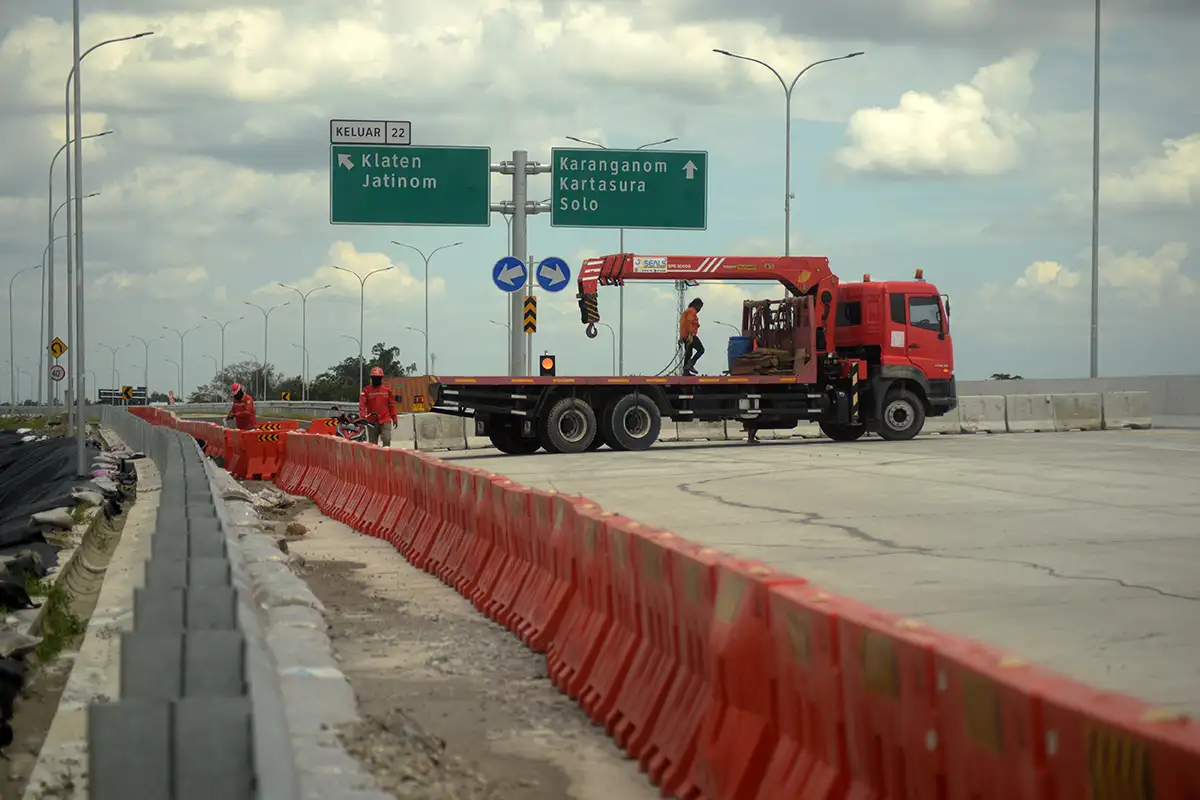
(443, 247)
(114, 41)
(656, 144)
(586, 141)
(800, 74)
(774, 71)
(376, 271)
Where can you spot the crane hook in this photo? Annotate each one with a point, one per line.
(591, 330)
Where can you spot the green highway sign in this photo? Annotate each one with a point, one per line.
(378, 184)
(593, 188)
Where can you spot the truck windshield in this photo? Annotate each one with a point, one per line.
(926, 313)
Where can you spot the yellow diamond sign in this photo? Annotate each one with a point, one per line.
(58, 347)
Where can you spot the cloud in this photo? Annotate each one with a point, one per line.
(1151, 280)
(171, 283)
(974, 129)
(1169, 180)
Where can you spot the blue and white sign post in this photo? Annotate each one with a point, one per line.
(510, 274)
(553, 274)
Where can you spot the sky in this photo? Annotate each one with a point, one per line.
(960, 143)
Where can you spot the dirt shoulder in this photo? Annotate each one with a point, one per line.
(453, 705)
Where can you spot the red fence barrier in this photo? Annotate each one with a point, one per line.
(724, 679)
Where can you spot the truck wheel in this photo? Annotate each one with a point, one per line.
(843, 433)
(633, 423)
(903, 416)
(569, 427)
(507, 441)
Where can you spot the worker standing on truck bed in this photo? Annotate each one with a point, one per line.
(378, 407)
(689, 327)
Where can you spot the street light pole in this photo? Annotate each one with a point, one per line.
(223, 326)
(178, 375)
(43, 343)
(48, 257)
(304, 334)
(508, 328)
(787, 158)
(48, 278)
(362, 310)
(621, 248)
(427, 259)
(212, 359)
(182, 335)
(1095, 338)
(12, 355)
(146, 360)
(114, 351)
(266, 312)
(75, 270)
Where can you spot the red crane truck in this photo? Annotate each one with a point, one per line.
(869, 356)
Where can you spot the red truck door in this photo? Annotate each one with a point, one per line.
(928, 338)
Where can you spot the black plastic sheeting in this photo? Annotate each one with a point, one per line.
(34, 477)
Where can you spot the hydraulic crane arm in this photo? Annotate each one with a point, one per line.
(800, 275)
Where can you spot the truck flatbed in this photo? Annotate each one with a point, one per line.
(605, 380)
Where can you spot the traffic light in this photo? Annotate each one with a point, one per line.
(546, 365)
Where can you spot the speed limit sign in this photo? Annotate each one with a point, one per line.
(57, 372)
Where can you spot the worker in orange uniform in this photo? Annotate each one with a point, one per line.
(378, 407)
(689, 328)
(242, 413)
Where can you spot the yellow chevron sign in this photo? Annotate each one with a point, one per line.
(531, 314)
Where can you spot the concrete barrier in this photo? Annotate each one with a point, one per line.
(700, 431)
(945, 425)
(983, 414)
(405, 433)
(1126, 409)
(1077, 412)
(440, 432)
(1028, 413)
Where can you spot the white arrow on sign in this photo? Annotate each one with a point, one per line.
(510, 274)
(552, 272)
(348, 162)
(690, 169)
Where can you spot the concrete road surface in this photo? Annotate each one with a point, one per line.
(1077, 550)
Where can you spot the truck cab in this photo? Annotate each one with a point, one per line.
(902, 330)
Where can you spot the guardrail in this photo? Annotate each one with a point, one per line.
(727, 679)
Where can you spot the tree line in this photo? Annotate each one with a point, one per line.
(338, 382)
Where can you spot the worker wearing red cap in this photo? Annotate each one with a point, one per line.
(242, 412)
(378, 407)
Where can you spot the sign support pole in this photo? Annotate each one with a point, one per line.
(520, 240)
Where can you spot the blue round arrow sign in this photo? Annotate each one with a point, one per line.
(553, 274)
(509, 274)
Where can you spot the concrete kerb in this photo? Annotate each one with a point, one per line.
(61, 769)
(314, 693)
(701, 431)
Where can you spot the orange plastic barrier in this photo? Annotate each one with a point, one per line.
(589, 617)
(618, 580)
(809, 760)
(327, 427)
(740, 729)
(725, 679)
(888, 690)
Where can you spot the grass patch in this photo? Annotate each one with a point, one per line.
(60, 624)
(12, 423)
(79, 513)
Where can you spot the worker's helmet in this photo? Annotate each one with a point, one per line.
(376, 372)
(235, 389)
